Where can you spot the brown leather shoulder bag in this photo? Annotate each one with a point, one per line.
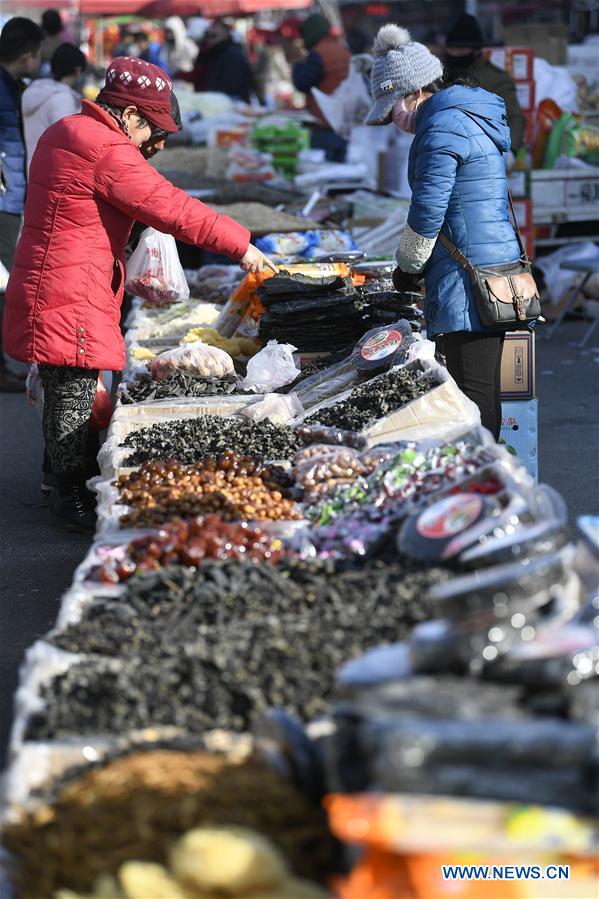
(506, 295)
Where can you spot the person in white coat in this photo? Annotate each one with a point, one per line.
(47, 100)
(180, 50)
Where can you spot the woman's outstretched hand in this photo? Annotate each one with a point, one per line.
(255, 261)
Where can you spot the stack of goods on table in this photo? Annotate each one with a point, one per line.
(283, 140)
(315, 315)
(382, 304)
(327, 314)
(339, 590)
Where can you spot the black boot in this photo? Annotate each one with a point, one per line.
(73, 507)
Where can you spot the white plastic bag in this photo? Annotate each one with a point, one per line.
(348, 104)
(198, 358)
(278, 408)
(35, 391)
(272, 367)
(154, 271)
(3, 277)
(558, 280)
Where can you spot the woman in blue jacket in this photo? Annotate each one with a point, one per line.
(457, 174)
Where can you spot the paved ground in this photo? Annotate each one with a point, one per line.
(38, 562)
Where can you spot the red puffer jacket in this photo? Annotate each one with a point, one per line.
(88, 183)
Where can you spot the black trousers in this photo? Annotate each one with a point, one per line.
(474, 361)
(69, 395)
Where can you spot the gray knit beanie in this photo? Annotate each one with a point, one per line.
(401, 67)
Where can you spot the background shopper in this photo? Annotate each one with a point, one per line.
(222, 65)
(47, 100)
(463, 54)
(325, 67)
(20, 58)
(55, 34)
(89, 181)
(457, 174)
(180, 51)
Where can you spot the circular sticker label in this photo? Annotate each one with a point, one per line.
(381, 344)
(449, 516)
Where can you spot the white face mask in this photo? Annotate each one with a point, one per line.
(404, 120)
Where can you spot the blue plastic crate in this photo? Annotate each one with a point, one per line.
(520, 430)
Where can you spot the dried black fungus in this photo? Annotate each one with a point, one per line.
(191, 440)
(374, 400)
(181, 383)
(215, 647)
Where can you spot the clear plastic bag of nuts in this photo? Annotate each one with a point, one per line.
(320, 469)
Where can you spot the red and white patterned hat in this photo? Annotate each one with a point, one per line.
(133, 82)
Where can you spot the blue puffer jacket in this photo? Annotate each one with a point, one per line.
(458, 179)
(12, 147)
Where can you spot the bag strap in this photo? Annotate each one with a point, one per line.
(457, 255)
(523, 253)
(465, 262)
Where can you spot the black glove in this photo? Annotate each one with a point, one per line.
(406, 282)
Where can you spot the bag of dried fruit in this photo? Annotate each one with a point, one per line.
(154, 271)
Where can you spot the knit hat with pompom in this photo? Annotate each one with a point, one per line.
(401, 67)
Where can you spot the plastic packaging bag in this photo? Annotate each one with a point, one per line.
(154, 271)
(35, 391)
(348, 104)
(3, 277)
(321, 469)
(102, 407)
(294, 243)
(280, 410)
(327, 383)
(198, 357)
(272, 367)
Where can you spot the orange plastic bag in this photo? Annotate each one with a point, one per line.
(384, 875)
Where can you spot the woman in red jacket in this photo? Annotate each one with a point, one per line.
(88, 183)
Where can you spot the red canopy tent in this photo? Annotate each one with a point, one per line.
(160, 9)
(212, 9)
(83, 7)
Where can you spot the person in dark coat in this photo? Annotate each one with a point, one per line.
(221, 66)
(20, 57)
(325, 67)
(463, 53)
(458, 178)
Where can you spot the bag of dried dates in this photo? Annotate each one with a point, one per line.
(154, 271)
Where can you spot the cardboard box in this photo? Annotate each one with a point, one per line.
(523, 211)
(519, 182)
(519, 430)
(526, 92)
(517, 61)
(518, 379)
(549, 41)
(521, 63)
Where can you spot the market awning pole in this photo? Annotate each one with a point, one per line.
(330, 10)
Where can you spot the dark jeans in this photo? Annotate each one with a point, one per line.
(9, 232)
(474, 361)
(69, 395)
(335, 147)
